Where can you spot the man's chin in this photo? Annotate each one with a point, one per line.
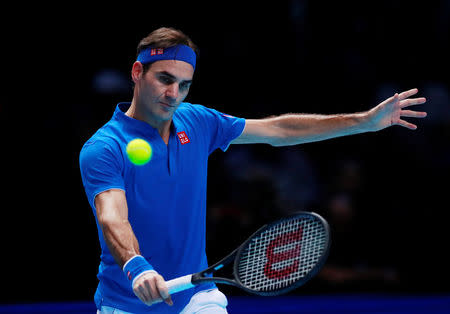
(165, 113)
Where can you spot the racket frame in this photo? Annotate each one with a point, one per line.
(317, 267)
(203, 276)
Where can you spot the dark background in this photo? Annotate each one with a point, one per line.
(384, 194)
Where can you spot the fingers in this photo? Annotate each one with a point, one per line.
(410, 102)
(144, 293)
(408, 93)
(151, 289)
(140, 294)
(409, 114)
(141, 290)
(413, 114)
(389, 112)
(406, 124)
(163, 290)
(413, 101)
(150, 286)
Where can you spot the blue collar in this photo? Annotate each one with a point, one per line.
(138, 125)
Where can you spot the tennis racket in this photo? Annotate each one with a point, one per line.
(276, 259)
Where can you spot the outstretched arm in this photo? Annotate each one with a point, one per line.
(293, 129)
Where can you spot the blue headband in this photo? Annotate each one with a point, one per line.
(178, 52)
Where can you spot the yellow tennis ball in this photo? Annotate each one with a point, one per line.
(139, 151)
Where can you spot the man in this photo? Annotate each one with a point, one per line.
(151, 218)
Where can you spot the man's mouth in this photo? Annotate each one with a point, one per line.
(166, 105)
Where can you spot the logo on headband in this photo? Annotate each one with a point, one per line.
(156, 51)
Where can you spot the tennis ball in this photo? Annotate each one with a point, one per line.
(139, 151)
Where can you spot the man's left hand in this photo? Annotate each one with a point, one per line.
(392, 110)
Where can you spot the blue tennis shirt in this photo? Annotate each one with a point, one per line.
(166, 197)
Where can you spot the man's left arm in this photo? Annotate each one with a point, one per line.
(293, 129)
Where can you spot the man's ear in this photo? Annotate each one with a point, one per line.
(137, 71)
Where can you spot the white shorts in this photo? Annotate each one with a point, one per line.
(204, 302)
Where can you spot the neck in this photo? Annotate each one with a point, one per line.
(163, 126)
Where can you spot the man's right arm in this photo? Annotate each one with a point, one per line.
(112, 214)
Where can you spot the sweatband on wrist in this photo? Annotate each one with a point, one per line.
(135, 266)
(178, 52)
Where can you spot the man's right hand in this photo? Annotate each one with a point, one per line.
(151, 288)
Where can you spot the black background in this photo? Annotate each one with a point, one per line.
(255, 60)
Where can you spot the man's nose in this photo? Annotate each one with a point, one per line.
(172, 91)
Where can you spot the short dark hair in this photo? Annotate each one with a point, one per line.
(165, 37)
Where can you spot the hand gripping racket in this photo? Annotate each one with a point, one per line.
(277, 258)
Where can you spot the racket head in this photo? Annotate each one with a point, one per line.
(283, 255)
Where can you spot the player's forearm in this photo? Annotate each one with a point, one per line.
(120, 239)
(112, 214)
(305, 128)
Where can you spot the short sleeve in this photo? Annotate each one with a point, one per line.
(101, 169)
(223, 128)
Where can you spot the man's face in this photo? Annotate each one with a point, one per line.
(163, 87)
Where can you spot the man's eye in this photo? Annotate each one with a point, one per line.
(165, 80)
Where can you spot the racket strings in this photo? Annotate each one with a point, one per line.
(282, 254)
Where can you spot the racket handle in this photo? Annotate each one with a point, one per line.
(180, 284)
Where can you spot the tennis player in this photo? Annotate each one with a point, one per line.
(151, 218)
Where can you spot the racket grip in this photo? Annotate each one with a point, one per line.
(179, 284)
